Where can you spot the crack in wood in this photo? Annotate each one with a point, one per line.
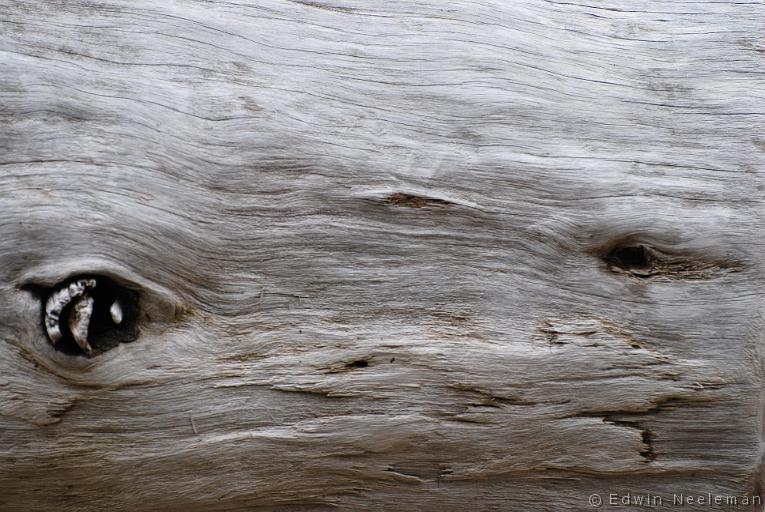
(415, 201)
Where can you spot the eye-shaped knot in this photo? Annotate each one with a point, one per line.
(90, 315)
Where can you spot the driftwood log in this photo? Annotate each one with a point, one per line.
(382, 255)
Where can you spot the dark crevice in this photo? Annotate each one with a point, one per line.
(619, 418)
(487, 399)
(347, 366)
(635, 257)
(646, 436)
(357, 364)
(643, 261)
(402, 472)
(103, 333)
(414, 201)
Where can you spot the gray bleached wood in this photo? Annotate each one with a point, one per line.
(391, 255)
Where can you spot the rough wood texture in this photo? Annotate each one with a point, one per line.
(388, 252)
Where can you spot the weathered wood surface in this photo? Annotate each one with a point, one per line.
(369, 239)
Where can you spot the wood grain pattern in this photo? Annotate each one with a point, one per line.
(377, 248)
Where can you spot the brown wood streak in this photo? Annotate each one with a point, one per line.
(391, 255)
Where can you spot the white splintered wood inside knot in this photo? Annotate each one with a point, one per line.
(88, 316)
